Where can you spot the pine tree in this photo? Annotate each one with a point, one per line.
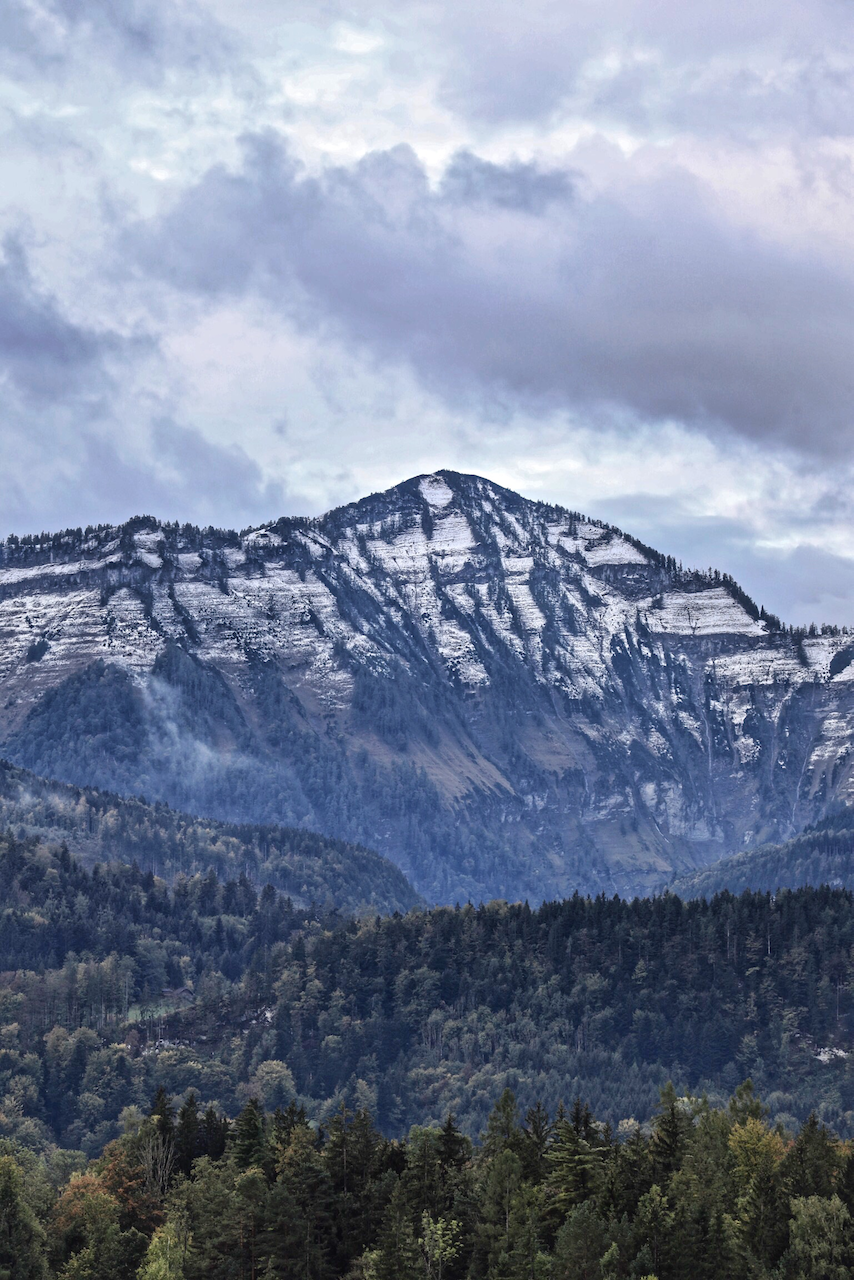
(189, 1135)
(354, 1158)
(536, 1136)
(215, 1130)
(300, 1222)
(503, 1130)
(581, 1244)
(575, 1168)
(811, 1165)
(21, 1237)
(163, 1114)
(653, 1227)
(397, 1255)
(452, 1147)
(250, 1145)
(669, 1137)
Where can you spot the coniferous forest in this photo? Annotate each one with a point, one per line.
(697, 1192)
(204, 1079)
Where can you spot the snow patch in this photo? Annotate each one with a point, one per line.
(701, 613)
(613, 550)
(262, 538)
(435, 491)
(829, 1054)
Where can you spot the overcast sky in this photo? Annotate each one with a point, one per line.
(265, 258)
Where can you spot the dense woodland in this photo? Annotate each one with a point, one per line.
(100, 826)
(113, 984)
(822, 854)
(699, 1193)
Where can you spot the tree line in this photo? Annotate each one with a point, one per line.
(114, 983)
(696, 1194)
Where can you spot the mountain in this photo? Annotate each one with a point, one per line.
(96, 826)
(505, 698)
(821, 855)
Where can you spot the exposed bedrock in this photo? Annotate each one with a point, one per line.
(506, 698)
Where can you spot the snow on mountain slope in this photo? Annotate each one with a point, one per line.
(505, 697)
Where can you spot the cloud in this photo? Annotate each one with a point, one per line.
(193, 473)
(643, 300)
(93, 475)
(721, 67)
(525, 187)
(141, 37)
(43, 354)
(83, 435)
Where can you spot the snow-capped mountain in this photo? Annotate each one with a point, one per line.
(505, 697)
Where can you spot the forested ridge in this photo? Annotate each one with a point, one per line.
(821, 854)
(100, 826)
(114, 983)
(697, 1194)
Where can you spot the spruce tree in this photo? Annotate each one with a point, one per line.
(163, 1114)
(250, 1145)
(189, 1135)
(21, 1237)
(215, 1131)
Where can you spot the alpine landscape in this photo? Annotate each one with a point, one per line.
(446, 877)
(506, 699)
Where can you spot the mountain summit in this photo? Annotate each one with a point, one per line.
(506, 698)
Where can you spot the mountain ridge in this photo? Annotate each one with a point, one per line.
(506, 698)
(100, 827)
(822, 854)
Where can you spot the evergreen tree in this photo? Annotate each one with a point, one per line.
(582, 1243)
(300, 1220)
(503, 1130)
(810, 1167)
(250, 1146)
(575, 1167)
(163, 1114)
(354, 1156)
(452, 1147)
(21, 1236)
(215, 1131)
(537, 1134)
(669, 1138)
(653, 1228)
(397, 1255)
(189, 1135)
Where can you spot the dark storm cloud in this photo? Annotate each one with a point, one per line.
(87, 479)
(470, 180)
(187, 463)
(511, 280)
(137, 37)
(43, 354)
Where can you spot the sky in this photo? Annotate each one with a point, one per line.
(263, 259)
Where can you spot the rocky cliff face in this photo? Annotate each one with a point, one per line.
(506, 698)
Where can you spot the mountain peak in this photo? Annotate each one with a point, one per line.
(505, 697)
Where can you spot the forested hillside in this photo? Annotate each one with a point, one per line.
(113, 983)
(699, 1194)
(822, 854)
(99, 826)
